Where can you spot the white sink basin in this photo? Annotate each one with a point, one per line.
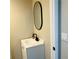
(30, 42)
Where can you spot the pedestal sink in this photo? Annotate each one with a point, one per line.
(32, 49)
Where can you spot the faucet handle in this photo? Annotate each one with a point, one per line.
(34, 35)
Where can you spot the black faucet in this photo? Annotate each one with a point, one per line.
(34, 36)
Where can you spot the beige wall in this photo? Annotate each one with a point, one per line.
(21, 24)
(44, 33)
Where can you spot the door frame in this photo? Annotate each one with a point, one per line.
(55, 28)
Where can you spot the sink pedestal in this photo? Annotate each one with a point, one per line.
(32, 49)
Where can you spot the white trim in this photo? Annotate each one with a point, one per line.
(52, 28)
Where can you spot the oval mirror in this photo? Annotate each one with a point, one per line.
(38, 18)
